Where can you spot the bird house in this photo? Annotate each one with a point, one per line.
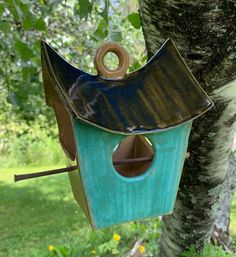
(128, 133)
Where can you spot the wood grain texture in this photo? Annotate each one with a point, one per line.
(113, 199)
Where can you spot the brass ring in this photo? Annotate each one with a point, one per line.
(122, 55)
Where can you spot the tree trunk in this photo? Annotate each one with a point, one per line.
(220, 233)
(205, 34)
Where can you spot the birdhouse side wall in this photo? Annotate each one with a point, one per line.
(114, 199)
(78, 192)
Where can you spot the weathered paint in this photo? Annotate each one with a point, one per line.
(114, 199)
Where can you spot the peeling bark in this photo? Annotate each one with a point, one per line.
(205, 34)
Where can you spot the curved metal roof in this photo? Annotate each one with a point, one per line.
(160, 95)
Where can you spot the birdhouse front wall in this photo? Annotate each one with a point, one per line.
(114, 199)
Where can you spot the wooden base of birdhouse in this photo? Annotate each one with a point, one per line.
(107, 197)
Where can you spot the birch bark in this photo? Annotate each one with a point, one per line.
(205, 34)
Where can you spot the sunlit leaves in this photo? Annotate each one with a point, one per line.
(24, 16)
(104, 12)
(1, 72)
(12, 99)
(18, 9)
(40, 24)
(101, 31)
(28, 72)
(31, 22)
(5, 27)
(115, 36)
(135, 20)
(23, 50)
(28, 21)
(53, 4)
(75, 28)
(1, 10)
(85, 8)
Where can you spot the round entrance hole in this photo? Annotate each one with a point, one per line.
(133, 156)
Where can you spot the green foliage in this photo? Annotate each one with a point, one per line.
(116, 36)
(30, 145)
(135, 20)
(105, 11)
(60, 251)
(23, 50)
(208, 251)
(85, 8)
(233, 216)
(76, 28)
(106, 243)
(109, 247)
(102, 31)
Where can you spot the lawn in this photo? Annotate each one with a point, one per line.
(40, 212)
(36, 213)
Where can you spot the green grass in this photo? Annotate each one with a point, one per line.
(40, 212)
(36, 213)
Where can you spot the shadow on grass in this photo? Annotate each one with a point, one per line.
(32, 217)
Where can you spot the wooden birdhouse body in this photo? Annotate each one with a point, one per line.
(112, 198)
(101, 121)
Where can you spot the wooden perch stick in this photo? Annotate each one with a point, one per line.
(71, 168)
(43, 173)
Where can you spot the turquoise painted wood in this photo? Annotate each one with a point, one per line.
(114, 199)
(108, 110)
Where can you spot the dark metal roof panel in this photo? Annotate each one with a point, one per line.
(160, 95)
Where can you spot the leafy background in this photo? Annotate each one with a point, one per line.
(39, 217)
(75, 29)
